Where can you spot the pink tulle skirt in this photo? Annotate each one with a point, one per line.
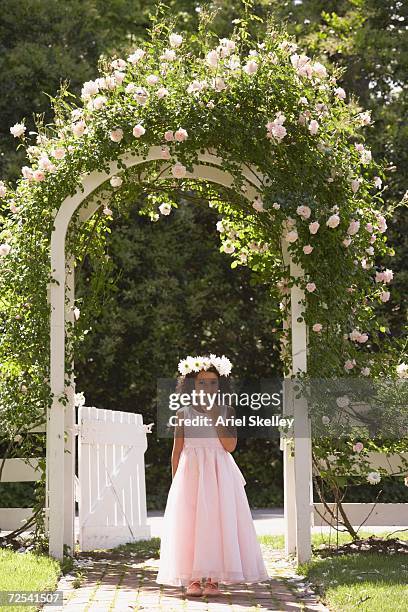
(208, 529)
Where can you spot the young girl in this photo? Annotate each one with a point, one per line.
(208, 528)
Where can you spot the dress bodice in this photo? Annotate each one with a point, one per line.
(200, 432)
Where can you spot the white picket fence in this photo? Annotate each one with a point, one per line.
(370, 514)
(19, 470)
(110, 485)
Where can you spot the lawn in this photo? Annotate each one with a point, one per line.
(27, 572)
(367, 582)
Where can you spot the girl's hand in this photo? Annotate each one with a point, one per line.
(214, 413)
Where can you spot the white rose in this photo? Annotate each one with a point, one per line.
(5, 249)
(175, 40)
(250, 67)
(402, 370)
(165, 208)
(212, 58)
(116, 181)
(136, 56)
(373, 478)
(18, 129)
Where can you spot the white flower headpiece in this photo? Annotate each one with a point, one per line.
(195, 364)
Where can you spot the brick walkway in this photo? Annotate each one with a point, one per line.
(120, 582)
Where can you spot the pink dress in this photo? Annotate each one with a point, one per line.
(208, 529)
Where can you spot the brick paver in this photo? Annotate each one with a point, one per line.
(119, 583)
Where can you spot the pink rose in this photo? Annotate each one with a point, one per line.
(349, 364)
(340, 93)
(292, 236)
(58, 153)
(353, 227)
(313, 227)
(38, 175)
(347, 242)
(168, 136)
(27, 172)
(317, 327)
(358, 447)
(138, 131)
(79, 128)
(278, 131)
(307, 249)
(382, 224)
(313, 127)
(152, 79)
(116, 135)
(178, 170)
(257, 204)
(385, 296)
(180, 135)
(250, 67)
(310, 287)
(303, 211)
(388, 275)
(333, 221)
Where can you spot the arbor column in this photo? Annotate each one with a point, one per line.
(297, 469)
(55, 464)
(55, 422)
(69, 421)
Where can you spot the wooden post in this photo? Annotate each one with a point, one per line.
(289, 486)
(297, 470)
(55, 417)
(69, 420)
(302, 439)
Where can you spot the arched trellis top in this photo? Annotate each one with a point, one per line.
(60, 498)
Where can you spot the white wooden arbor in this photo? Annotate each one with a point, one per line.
(60, 419)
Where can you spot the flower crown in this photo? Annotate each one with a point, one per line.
(195, 364)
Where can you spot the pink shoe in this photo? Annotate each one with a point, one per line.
(194, 589)
(211, 589)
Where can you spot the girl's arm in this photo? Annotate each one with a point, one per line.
(178, 443)
(227, 435)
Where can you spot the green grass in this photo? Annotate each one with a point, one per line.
(145, 549)
(27, 572)
(367, 582)
(278, 541)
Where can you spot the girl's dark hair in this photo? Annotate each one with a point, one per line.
(186, 382)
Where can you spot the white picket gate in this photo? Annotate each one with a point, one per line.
(111, 478)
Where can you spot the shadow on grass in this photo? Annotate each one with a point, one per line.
(140, 551)
(369, 582)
